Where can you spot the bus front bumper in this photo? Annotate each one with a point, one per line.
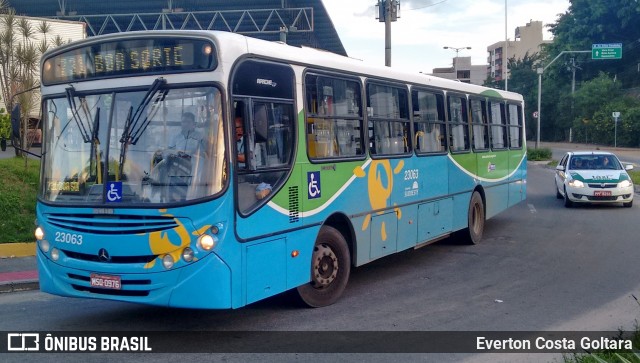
(204, 284)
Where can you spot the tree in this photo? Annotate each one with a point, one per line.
(523, 79)
(588, 22)
(20, 54)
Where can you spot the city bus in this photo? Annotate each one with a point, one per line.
(204, 169)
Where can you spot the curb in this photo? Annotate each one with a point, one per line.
(17, 286)
(25, 249)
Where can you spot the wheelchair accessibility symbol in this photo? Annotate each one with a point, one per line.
(114, 191)
(313, 183)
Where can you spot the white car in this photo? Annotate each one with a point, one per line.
(593, 177)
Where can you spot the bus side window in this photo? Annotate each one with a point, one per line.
(429, 125)
(458, 123)
(388, 110)
(333, 117)
(497, 125)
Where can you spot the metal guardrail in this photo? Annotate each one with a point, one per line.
(235, 21)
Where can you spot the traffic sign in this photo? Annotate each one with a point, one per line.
(606, 51)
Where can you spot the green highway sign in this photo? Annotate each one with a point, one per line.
(606, 51)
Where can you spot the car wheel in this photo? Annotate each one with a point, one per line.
(558, 195)
(629, 204)
(330, 269)
(567, 203)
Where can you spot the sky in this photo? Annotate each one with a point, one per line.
(426, 26)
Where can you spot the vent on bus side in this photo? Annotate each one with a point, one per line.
(111, 224)
(294, 205)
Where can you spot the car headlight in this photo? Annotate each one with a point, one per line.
(624, 184)
(576, 183)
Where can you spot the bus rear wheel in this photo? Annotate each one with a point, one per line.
(476, 219)
(330, 269)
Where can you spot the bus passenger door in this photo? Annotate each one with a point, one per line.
(263, 109)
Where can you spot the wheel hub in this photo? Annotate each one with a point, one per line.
(325, 266)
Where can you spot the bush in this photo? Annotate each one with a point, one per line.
(539, 154)
(18, 192)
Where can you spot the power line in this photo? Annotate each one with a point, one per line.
(426, 6)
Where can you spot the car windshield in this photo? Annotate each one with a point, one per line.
(160, 145)
(594, 162)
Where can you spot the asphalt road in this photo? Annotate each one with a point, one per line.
(540, 267)
(627, 155)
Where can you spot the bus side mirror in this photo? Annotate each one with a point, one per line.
(15, 121)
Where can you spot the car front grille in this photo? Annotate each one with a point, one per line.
(601, 186)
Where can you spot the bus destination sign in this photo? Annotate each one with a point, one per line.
(124, 57)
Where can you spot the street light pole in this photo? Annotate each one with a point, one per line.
(455, 64)
(540, 71)
(506, 50)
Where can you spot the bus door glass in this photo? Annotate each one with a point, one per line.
(264, 122)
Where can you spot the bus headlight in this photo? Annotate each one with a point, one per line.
(187, 254)
(167, 261)
(44, 245)
(207, 242)
(55, 254)
(39, 233)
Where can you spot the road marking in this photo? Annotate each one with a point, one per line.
(532, 209)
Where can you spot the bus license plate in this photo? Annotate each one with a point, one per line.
(601, 193)
(105, 281)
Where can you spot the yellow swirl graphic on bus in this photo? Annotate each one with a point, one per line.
(380, 187)
(162, 243)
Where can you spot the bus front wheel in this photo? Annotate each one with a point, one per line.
(330, 269)
(476, 219)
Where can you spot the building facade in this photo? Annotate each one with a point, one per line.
(528, 40)
(463, 71)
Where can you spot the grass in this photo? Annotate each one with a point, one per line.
(538, 154)
(609, 356)
(635, 176)
(18, 191)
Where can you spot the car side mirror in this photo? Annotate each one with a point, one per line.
(628, 167)
(560, 167)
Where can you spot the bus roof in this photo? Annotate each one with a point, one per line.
(237, 46)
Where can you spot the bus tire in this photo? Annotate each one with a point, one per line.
(330, 269)
(476, 218)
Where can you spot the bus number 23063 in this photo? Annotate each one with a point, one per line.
(74, 239)
(411, 174)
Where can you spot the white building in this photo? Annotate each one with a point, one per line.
(68, 31)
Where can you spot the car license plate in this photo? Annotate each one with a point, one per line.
(601, 193)
(105, 281)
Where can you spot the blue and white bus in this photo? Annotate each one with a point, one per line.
(205, 169)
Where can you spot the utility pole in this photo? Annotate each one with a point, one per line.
(388, 11)
(573, 90)
(387, 33)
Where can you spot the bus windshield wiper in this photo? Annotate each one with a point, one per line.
(85, 130)
(132, 131)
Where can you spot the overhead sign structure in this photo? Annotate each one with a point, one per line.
(606, 51)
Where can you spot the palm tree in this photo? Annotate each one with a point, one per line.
(20, 54)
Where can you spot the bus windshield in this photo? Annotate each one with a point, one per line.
(161, 145)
